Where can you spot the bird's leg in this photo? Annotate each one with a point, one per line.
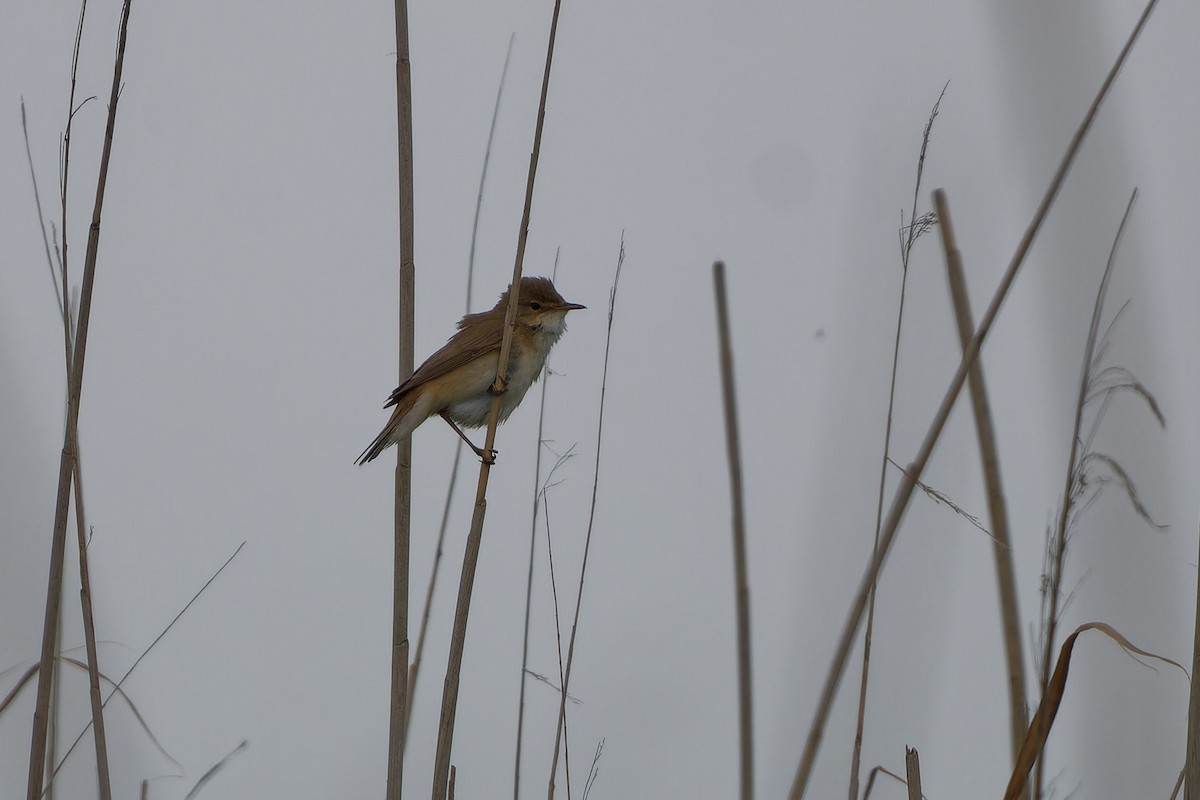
(484, 456)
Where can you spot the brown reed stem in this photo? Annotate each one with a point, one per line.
(1006, 572)
(741, 581)
(913, 473)
(398, 706)
(912, 772)
(66, 468)
(441, 767)
(1192, 763)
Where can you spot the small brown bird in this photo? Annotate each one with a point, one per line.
(456, 381)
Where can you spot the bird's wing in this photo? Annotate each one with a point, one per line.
(464, 347)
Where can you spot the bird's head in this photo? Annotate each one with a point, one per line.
(539, 305)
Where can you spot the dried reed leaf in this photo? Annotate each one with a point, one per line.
(1043, 720)
(875, 771)
(214, 769)
(132, 707)
(13, 692)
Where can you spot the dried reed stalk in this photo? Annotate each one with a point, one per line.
(906, 247)
(1192, 764)
(910, 476)
(741, 581)
(104, 784)
(398, 705)
(434, 570)
(441, 767)
(912, 771)
(66, 471)
(1006, 573)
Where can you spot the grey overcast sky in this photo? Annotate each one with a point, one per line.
(243, 340)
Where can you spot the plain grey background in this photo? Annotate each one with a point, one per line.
(243, 339)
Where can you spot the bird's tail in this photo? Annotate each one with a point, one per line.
(405, 418)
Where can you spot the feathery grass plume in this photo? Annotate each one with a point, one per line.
(942, 499)
(1006, 570)
(560, 734)
(905, 490)
(445, 737)
(1043, 719)
(918, 225)
(1083, 482)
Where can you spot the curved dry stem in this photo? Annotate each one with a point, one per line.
(441, 768)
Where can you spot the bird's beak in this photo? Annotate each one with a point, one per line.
(570, 307)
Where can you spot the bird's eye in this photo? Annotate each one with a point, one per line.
(535, 305)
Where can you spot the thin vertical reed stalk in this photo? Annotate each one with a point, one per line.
(868, 634)
(398, 706)
(557, 632)
(102, 776)
(37, 202)
(741, 581)
(561, 732)
(414, 669)
(1192, 763)
(1075, 459)
(66, 470)
(913, 473)
(89, 637)
(441, 767)
(912, 772)
(537, 491)
(1006, 572)
(103, 779)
